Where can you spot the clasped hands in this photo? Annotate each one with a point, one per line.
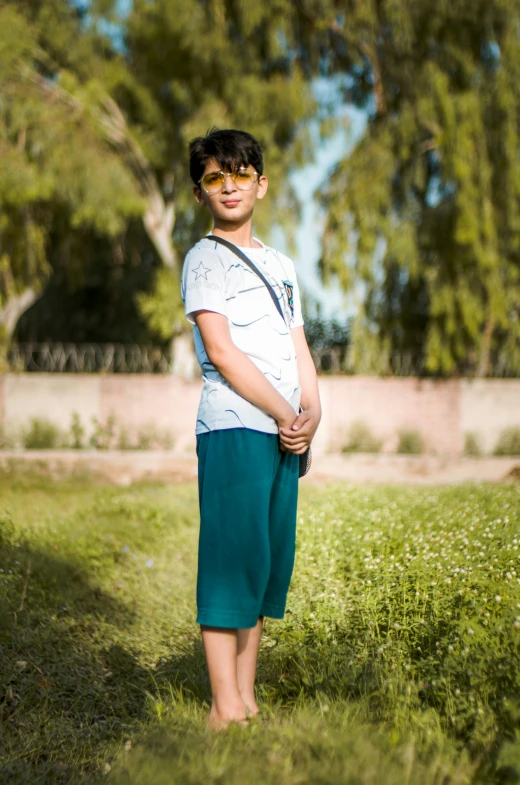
(297, 437)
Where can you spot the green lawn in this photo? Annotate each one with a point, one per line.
(398, 661)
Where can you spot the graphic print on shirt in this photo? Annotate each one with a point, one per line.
(289, 290)
(214, 279)
(200, 279)
(201, 271)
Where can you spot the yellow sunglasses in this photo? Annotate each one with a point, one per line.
(244, 179)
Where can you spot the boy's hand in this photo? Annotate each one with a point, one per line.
(297, 438)
(288, 419)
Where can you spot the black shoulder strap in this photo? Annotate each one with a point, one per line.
(250, 264)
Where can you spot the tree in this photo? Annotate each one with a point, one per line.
(201, 64)
(55, 169)
(170, 82)
(429, 199)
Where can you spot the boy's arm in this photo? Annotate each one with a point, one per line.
(296, 438)
(238, 370)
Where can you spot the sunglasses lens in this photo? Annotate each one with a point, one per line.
(244, 179)
(213, 182)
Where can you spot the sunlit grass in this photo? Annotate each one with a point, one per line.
(397, 662)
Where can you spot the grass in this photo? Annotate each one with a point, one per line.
(398, 660)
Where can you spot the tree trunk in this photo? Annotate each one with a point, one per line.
(15, 306)
(184, 362)
(158, 222)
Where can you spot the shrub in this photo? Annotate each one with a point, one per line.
(150, 437)
(145, 438)
(166, 440)
(361, 439)
(77, 432)
(103, 435)
(7, 442)
(472, 445)
(124, 441)
(110, 435)
(508, 442)
(411, 442)
(41, 435)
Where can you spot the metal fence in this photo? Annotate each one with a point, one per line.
(338, 360)
(131, 358)
(88, 358)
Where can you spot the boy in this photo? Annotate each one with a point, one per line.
(257, 371)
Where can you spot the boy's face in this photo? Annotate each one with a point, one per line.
(230, 204)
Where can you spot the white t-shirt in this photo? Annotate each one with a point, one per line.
(215, 279)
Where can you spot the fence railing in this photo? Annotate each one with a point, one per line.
(131, 358)
(338, 360)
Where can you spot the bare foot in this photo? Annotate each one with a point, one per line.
(220, 719)
(251, 708)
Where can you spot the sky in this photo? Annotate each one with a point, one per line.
(333, 302)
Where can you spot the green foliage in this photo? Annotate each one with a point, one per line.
(168, 100)
(77, 432)
(124, 441)
(59, 179)
(99, 304)
(112, 435)
(193, 89)
(411, 442)
(508, 442)
(109, 435)
(328, 340)
(41, 434)
(124, 118)
(161, 307)
(7, 442)
(472, 445)
(147, 438)
(370, 354)
(361, 439)
(423, 217)
(397, 658)
(103, 436)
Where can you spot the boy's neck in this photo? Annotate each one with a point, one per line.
(241, 235)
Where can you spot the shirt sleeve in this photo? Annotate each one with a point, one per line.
(203, 283)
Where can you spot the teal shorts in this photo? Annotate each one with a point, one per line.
(248, 493)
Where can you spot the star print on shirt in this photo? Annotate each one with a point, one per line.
(201, 271)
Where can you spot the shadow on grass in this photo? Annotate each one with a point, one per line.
(70, 685)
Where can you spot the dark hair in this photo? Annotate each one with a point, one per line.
(229, 148)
